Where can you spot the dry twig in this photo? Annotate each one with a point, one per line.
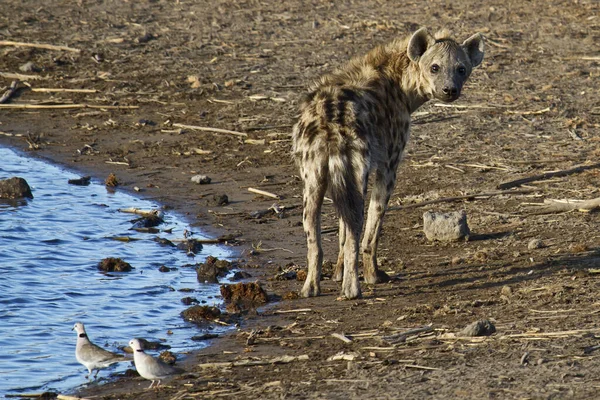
(209, 129)
(38, 46)
(548, 175)
(9, 93)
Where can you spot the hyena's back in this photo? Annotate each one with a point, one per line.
(347, 127)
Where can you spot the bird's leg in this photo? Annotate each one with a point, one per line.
(151, 383)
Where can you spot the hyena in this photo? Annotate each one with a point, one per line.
(356, 120)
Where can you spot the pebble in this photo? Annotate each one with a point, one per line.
(201, 179)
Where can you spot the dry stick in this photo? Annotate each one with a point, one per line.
(8, 94)
(63, 106)
(553, 206)
(401, 337)
(264, 193)
(455, 198)
(61, 90)
(343, 338)
(209, 129)
(547, 175)
(21, 77)
(38, 46)
(250, 362)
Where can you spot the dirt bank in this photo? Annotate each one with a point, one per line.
(147, 69)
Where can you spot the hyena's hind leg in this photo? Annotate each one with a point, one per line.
(380, 195)
(315, 185)
(338, 273)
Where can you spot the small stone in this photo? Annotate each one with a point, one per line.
(301, 275)
(506, 291)
(164, 268)
(291, 296)
(535, 244)
(201, 179)
(29, 67)
(482, 327)
(219, 200)
(446, 227)
(15, 188)
(111, 180)
(168, 357)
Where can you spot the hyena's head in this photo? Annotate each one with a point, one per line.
(444, 65)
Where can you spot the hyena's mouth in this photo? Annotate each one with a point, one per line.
(447, 97)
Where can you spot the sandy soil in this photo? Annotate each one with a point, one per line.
(532, 107)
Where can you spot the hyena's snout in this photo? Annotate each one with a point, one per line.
(450, 93)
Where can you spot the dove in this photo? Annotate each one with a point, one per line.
(149, 367)
(93, 357)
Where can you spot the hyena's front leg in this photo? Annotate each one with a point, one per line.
(314, 191)
(382, 190)
(338, 274)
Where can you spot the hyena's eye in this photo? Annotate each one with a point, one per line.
(462, 70)
(435, 69)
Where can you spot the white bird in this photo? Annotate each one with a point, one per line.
(149, 367)
(92, 356)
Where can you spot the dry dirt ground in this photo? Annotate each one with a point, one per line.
(532, 107)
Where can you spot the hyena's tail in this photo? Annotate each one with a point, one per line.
(347, 179)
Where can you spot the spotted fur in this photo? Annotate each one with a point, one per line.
(357, 120)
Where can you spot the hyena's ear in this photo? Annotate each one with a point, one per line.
(418, 44)
(473, 46)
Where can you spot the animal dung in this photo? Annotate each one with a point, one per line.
(446, 227)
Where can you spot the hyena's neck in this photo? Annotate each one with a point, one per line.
(394, 67)
(406, 76)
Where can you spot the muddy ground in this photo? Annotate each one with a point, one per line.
(532, 107)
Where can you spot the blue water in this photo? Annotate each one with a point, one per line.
(49, 249)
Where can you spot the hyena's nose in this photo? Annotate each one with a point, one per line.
(450, 91)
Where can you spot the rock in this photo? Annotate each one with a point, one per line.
(301, 275)
(190, 246)
(189, 301)
(206, 336)
(219, 200)
(164, 268)
(164, 242)
(201, 179)
(290, 296)
(168, 357)
(239, 275)
(535, 244)
(112, 264)
(243, 296)
(198, 314)
(111, 180)
(148, 345)
(212, 269)
(83, 181)
(15, 188)
(29, 67)
(446, 227)
(149, 221)
(482, 327)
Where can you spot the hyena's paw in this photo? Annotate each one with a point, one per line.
(310, 289)
(378, 277)
(338, 273)
(351, 290)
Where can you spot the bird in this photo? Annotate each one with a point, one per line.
(93, 357)
(149, 367)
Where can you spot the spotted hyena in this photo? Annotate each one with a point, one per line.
(356, 120)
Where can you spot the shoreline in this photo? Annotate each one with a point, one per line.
(242, 67)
